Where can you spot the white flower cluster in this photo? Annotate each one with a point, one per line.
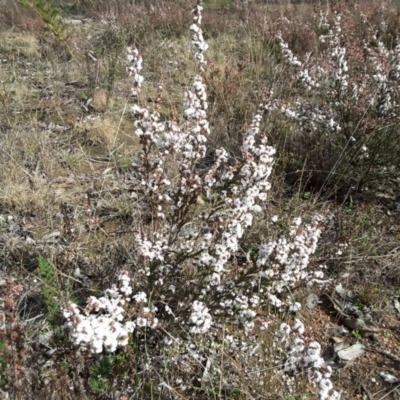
(309, 117)
(337, 75)
(344, 92)
(387, 78)
(197, 248)
(303, 74)
(151, 249)
(198, 40)
(134, 58)
(245, 186)
(153, 133)
(186, 142)
(338, 52)
(200, 318)
(341, 72)
(191, 250)
(348, 101)
(103, 326)
(308, 357)
(324, 27)
(291, 58)
(236, 189)
(284, 263)
(236, 192)
(394, 73)
(194, 133)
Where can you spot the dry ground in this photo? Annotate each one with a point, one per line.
(67, 142)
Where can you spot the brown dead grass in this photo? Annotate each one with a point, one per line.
(19, 44)
(64, 172)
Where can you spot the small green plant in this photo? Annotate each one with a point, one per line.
(101, 373)
(357, 334)
(122, 162)
(51, 18)
(3, 365)
(50, 290)
(84, 96)
(360, 304)
(49, 15)
(291, 397)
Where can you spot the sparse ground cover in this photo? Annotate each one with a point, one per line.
(74, 213)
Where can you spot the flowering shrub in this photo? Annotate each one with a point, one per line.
(306, 357)
(108, 330)
(345, 107)
(189, 282)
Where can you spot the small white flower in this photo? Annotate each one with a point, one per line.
(297, 221)
(285, 329)
(325, 385)
(140, 297)
(299, 326)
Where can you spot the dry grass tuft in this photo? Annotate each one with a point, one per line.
(22, 44)
(67, 192)
(100, 131)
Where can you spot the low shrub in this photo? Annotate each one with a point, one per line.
(192, 291)
(342, 109)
